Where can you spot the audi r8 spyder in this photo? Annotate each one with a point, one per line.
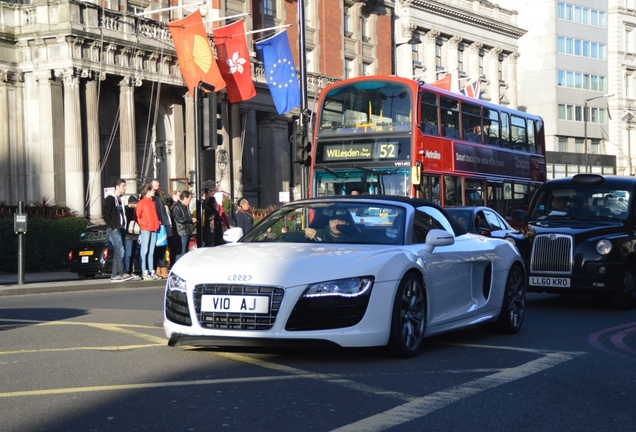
(312, 273)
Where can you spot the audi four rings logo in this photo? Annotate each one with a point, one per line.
(239, 278)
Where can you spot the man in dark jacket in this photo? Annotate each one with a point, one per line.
(183, 220)
(115, 220)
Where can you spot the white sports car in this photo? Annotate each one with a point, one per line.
(315, 272)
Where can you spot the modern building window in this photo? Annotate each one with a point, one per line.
(581, 81)
(563, 144)
(595, 145)
(578, 145)
(581, 15)
(574, 113)
(584, 48)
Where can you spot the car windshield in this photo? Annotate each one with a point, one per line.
(354, 222)
(582, 203)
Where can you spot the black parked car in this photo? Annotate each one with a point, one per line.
(93, 253)
(486, 221)
(581, 237)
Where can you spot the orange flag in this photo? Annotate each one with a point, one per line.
(194, 52)
(444, 83)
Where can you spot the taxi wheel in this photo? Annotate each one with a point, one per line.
(622, 299)
(408, 321)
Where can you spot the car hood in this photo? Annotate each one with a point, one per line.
(286, 264)
(575, 228)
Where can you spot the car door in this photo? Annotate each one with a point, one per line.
(449, 269)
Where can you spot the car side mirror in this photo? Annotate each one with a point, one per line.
(438, 237)
(233, 235)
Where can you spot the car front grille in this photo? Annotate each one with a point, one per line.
(177, 307)
(238, 321)
(552, 253)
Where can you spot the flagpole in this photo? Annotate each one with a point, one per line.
(303, 93)
(169, 8)
(267, 29)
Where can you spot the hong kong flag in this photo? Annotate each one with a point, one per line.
(234, 61)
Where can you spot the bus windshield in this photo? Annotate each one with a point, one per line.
(389, 181)
(367, 106)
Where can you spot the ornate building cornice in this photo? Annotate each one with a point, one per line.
(467, 17)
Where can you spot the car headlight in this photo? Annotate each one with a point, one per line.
(351, 287)
(176, 283)
(604, 247)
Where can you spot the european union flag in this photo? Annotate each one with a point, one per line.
(280, 71)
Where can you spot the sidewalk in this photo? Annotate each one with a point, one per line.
(63, 281)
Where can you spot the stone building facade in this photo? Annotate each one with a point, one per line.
(91, 91)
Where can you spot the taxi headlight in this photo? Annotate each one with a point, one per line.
(175, 283)
(603, 247)
(351, 287)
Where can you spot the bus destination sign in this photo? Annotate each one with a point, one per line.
(379, 150)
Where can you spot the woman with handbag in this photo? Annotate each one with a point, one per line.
(131, 239)
(148, 220)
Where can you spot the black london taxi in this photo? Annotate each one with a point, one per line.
(581, 237)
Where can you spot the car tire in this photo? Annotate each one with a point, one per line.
(84, 276)
(513, 308)
(623, 299)
(408, 319)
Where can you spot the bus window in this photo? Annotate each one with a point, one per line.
(429, 120)
(474, 192)
(429, 189)
(518, 133)
(491, 126)
(532, 146)
(450, 117)
(505, 130)
(471, 122)
(452, 191)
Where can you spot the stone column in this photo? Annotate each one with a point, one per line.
(73, 165)
(127, 138)
(43, 164)
(273, 135)
(511, 79)
(451, 61)
(5, 156)
(473, 59)
(429, 55)
(492, 75)
(94, 195)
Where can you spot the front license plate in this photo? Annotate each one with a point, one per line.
(235, 304)
(550, 281)
(84, 253)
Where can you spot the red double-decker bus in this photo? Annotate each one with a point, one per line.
(395, 136)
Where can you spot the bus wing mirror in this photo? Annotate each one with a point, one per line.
(416, 174)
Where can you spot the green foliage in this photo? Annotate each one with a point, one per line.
(46, 242)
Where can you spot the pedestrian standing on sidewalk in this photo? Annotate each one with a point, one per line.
(244, 218)
(148, 221)
(115, 220)
(131, 239)
(164, 217)
(184, 222)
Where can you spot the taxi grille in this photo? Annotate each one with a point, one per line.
(552, 253)
(238, 321)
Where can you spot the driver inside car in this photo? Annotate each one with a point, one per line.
(339, 229)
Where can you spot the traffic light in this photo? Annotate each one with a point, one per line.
(302, 148)
(212, 122)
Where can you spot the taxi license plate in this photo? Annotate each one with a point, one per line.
(83, 253)
(84, 259)
(550, 281)
(235, 304)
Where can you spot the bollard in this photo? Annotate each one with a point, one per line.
(20, 228)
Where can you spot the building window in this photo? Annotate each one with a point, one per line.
(438, 55)
(366, 69)
(481, 62)
(628, 40)
(563, 144)
(269, 7)
(347, 24)
(581, 15)
(364, 22)
(594, 147)
(348, 68)
(581, 48)
(578, 145)
(628, 85)
(460, 58)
